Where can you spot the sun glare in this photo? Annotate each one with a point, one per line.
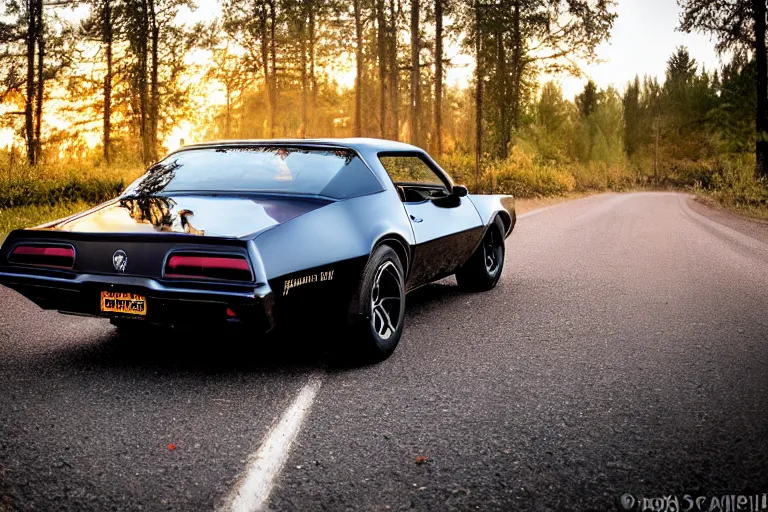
(6, 137)
(179, 136)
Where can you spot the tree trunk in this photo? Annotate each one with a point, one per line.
(312, 76)
(501, 57)
(656, 128)
(438, 77)
(264, 39)
(107, 37)
(154, 92)
(394, 71)
(29, 125)
(415, 106)
(143, 49)
(273, 57)
(358, 69)
(517, 63)
(304, 78)
(264, 20)
(381, 42)
(228, 120)
(761, 150)
(40, 29)
(478, 96)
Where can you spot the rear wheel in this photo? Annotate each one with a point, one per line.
(378, 310)
(483, 269)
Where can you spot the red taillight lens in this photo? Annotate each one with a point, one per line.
(61, 256)
(191, 266)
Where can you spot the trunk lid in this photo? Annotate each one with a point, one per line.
(226, 216)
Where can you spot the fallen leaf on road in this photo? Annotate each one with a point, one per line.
(421, 459)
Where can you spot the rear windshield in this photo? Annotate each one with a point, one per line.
(336, 173)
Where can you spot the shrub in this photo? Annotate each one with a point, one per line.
(522, 174)
(735, 185)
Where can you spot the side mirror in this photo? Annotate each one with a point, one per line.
(460, 191)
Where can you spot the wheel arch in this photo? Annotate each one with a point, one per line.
(400, 246)
(506, 220)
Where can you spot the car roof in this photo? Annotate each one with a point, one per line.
(360, 144)
(366, 147)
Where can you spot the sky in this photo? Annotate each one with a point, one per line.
(642, 39)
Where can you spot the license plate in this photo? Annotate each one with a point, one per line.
(124, 303)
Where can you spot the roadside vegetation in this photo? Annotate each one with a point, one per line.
(29, 216)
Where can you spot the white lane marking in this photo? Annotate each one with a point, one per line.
(252, 490)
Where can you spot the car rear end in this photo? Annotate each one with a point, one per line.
(179, 245)
(164, 278)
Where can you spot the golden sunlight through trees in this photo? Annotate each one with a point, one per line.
(116, 84)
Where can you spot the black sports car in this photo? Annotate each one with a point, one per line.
(259, 233)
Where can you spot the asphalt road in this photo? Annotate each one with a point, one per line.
(625, 350)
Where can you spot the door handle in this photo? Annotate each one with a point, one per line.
(416, 219)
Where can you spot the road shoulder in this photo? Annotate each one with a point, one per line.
(753, 228)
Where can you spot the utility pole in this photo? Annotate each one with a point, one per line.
(656, 152)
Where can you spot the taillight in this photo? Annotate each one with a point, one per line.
(43, 255)
(206, 266)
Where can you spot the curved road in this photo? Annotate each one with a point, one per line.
(625, 350)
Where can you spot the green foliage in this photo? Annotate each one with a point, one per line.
(21, 192)
(633, 118)
(598, 127)
(732, 118)
(729, 20)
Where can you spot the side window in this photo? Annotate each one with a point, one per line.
(409, 169)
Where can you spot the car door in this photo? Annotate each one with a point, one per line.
(446, 227)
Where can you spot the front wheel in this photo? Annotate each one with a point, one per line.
(377, 313)
(483, 269)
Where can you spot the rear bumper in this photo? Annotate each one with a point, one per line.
(168, 302)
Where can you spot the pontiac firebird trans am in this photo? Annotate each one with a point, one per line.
(261, 233)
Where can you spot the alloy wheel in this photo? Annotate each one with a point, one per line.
(386, 298)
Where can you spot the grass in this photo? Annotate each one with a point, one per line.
(30, 196)
(30, 216)
(22, 185)
(52, 192)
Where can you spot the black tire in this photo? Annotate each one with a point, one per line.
(483, 269)
(377, 313)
